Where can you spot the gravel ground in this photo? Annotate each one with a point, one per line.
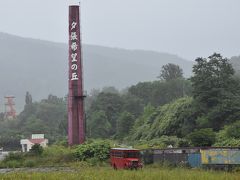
(42, 169)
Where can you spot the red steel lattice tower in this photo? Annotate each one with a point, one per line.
(76, 122)
(10, 111)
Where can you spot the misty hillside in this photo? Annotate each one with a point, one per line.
(40, 67)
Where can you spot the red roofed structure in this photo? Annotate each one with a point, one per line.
(36, 139)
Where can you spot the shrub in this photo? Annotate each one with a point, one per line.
(229, 131)
(162, 142)
(57, 154)
(30, 163)
(93, 161)
(56, 150)
(14, 157)
(232, 142)
(229, 135)
(63, 142)
(13, 164)
(98, 150)
(36, 149)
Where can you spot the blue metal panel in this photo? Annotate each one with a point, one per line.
(194, 160)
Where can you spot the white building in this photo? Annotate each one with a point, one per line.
(36, 139)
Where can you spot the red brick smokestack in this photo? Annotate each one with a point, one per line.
(76, 122)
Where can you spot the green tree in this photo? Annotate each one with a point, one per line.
(213, 77)
(176, 118)
(124, 124)
(233, 130)
(46, 116)
(215, 91)
(49, 116)
(63, 126)
(110, 89)
(202, 137)
(28, 98)
(170, 71)
(161, 92)
(34, 125)
(229, 135)
(143, 91)
(132, 104)
(91, 97)
(168, 91)
(98, 125)
(111, 105)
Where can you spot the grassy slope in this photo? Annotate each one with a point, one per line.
(109, 173)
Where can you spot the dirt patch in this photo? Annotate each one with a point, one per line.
(41, 169)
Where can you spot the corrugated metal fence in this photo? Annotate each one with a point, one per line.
(194, 157)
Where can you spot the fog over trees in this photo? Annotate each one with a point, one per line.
(199, 111)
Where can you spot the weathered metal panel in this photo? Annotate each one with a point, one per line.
(191, 151)
(147, 156)
(172, 158)
(176, 150)
(234, 157)
(158, 151)
(194, 160)
(176, 158)
(158, 158)
(220, 156)
(214, 156)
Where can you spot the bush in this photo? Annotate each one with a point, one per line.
(99, 150)
(163, 142)
(14, 157)
(230, 131)
(229, 142)
(56, 150)
(93, 161)
(234, 130)
(13, 164)
(36, 149)
(63, 142)
(29, 163)
(229, 135)
(57, 154)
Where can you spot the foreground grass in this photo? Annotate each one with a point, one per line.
(103, 173)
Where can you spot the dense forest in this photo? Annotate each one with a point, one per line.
(203, 110)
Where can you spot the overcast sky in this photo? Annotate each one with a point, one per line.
(188, 28)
